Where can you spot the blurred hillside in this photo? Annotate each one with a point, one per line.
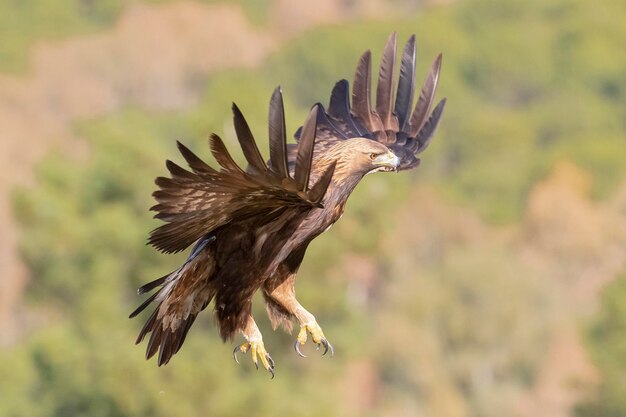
(488, 282)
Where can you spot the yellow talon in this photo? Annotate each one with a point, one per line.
(257, 350)
(316, 335)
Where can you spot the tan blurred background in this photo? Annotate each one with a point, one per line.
(489, 282)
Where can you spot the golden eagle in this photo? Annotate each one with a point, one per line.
(252, 227)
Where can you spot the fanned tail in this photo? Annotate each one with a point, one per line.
(181, 295)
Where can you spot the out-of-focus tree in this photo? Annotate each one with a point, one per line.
(607, 340)
(23, 22)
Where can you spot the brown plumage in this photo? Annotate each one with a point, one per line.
(407, 133)
(251, 227)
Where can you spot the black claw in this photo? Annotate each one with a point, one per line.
(271, 362)
(332, 350)
(296, 346)
(327, 347)
(237, 349)
(325, 343)
(256, 365)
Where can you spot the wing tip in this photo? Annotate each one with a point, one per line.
(184, 150)
(278, 91)
(437, 64)
(441, 104)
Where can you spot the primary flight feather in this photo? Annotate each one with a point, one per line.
(251, 227)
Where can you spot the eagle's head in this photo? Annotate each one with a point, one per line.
(361, 156)
(352, 159)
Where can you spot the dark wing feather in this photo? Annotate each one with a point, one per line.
(246, 141)
(319, 189)
(339, 112)
(426, 133)
(325, 126)
(384, 89)
(196, 164)
(406, 84)
(425, 100)
(305, 151)
(361, 94)
(178, 172)
(195, 203)
(278, 135)
(361, 90)
(403, 129)
(222, 156)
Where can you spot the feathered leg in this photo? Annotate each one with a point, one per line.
(254, 344)
(282, 304)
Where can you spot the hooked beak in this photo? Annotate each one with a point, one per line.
(387, 162)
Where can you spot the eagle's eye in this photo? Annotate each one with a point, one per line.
(373, 156)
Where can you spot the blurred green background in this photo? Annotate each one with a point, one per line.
(489, 282)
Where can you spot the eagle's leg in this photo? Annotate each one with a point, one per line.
(282, 304)
(254, 344)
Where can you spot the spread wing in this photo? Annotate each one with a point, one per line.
(394, 120)
(194, 203)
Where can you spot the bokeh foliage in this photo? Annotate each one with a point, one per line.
(23, 23)
(607, 340)
(529, 83)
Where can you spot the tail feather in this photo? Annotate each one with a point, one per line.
(152, 284)
(166, 341)
(181, 334)
(143, 305)
(181, 296)
(155, 341)
(147, 327)
(165, 349)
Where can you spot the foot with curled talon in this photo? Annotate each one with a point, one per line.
(316, 335)
(254, 344)
(258, 352)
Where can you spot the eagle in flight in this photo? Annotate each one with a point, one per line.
(251, 227)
